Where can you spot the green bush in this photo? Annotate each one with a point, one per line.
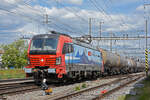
(84, 85)
(77, 88)
(15, 54)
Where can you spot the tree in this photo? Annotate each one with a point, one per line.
(15, 54)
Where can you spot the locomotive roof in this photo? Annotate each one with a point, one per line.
(52, 34)
(44, 36)
(85, 45)
(57, 34)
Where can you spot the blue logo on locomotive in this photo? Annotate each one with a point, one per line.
(83, 55)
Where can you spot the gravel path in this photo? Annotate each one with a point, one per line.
(123, 91)
(38, 95)
(92, 94)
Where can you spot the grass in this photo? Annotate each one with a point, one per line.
(79, 87)
(83, 85)
(143, 93)
(12, 73)
(121, 97)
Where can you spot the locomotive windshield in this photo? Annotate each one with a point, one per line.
(43, 46)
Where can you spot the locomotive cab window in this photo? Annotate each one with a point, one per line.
(68, 48)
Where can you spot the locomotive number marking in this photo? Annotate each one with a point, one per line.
(51, 70)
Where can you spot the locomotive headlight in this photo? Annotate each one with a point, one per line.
(58, 61)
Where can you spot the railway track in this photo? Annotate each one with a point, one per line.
(115, 89)
(13, 86)
(10, 88)
(15, 80)
(93, 93)
(19, 88)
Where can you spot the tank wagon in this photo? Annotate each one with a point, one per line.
(116, 64)
(58, 57)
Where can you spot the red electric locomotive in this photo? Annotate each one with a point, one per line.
(45, 56)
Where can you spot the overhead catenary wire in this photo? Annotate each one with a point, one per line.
(64, 29)
(26, 17)
(106, 14)
(83, 19)
(121, 18)
(39, 13)
(70, 10)
(102, 10)
(67, 25)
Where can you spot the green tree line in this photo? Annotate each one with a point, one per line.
(15, 54)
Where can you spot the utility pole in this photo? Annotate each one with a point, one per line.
(111, 42)
(100, 32)
(100, 28)
(46, 21)
(146, 51)
(146, 32)
(90, 28)
(139, 41)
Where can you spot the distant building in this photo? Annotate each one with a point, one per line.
(1, 53)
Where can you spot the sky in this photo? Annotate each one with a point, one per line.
(28, 17)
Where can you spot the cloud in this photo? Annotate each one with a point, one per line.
(65, 19)
(29, 20)
(63, 16)
(11, 1)
(123, 2)
(76, 2)
(16, 18)
(143, 10)
(140, 8)
(79, 2)
(8, 37)
(9, 4)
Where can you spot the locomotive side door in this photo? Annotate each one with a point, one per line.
(68, 51)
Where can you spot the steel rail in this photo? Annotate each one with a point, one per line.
(17, 79)
(67, 96)
(115, 89)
